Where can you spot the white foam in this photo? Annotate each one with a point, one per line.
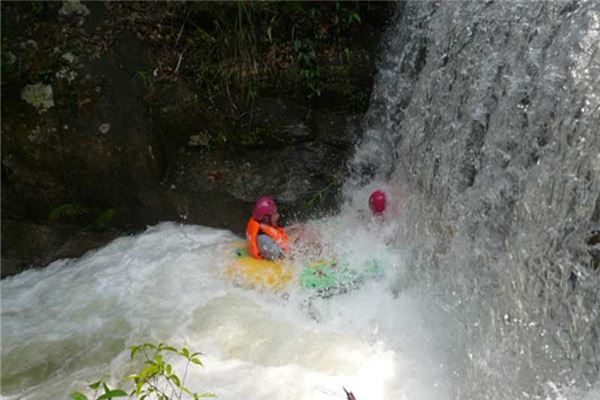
(70, 324)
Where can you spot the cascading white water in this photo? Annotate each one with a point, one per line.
(486, 118)
(483, 127)
(70, 324)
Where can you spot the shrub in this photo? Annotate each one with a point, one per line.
(156, 380)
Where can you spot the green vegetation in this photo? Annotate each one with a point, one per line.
(239, 50)
(68, 211)
(251, 41)
(37, 7)
(100, 220)
(156, 379)
(234, 55)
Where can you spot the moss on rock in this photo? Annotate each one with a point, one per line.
(39, 96)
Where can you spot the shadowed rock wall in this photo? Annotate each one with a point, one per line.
(106, 128)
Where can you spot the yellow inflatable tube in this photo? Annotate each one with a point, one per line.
(261, 274)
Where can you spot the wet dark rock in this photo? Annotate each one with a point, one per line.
(335, 129)
(288, 117)
(130, 139)
(26, 244)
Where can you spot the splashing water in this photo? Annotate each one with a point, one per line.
(70, 324)
(483, 131)
(486, 119)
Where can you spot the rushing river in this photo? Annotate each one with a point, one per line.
(70, 324)
(484, 131)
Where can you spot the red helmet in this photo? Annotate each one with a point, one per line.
(264, 207)
(377, 202)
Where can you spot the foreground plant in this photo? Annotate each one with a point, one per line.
(156, 380)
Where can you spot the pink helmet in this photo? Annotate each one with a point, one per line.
(264, 207)
(377, 202)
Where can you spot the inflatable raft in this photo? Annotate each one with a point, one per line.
(326, 277)
(261, 274)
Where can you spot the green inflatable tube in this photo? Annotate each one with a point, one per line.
(327, 275)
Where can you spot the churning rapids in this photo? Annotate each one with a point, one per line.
(484, 128)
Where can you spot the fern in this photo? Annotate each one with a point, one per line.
(68, 210)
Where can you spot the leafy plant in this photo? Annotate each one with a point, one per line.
(306, 61)
(37, 7)
(239, 47)
(76, 211)
(237, 51)
(104, 219)
(156, 380)
(68, 210)
(108, 392)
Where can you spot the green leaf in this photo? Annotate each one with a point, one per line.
(185, 352)
(159, 360)
(346, 53)
(175, 380)
(149, 371)
(204, 395)
(132, 377)
(95, 385)
(197, 361)
(133, 349)
(148, 346)
(138, 387)
(186, 390)
(113, 393)
(68, 211)
(168, 348)
(352, 17)
(78, 396)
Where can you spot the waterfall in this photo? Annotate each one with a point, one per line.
(484, 131)
(485, 119)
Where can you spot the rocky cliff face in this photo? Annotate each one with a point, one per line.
(107, 126)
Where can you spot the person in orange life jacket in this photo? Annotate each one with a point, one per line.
(266, 240)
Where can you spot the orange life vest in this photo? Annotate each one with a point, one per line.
(274, 232)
